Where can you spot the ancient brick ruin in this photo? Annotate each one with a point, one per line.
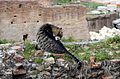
(97, 22)
(25, 17)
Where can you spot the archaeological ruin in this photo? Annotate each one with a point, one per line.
(20, 17)
(25, 17)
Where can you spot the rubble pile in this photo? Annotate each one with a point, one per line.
(66, 70)
(14, 66)
(104, 33)
(12, 63)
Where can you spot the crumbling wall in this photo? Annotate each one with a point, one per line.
(20, 17)
(95, 23)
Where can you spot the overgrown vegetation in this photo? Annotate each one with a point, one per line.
(3, 41)
(63, 1)
(29, 50)
(92, 5)
(70, 39)
(38, 60)
(106, 49)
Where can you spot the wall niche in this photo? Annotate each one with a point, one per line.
(20, 5)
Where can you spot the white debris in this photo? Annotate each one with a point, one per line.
(18, 64)
(46, 54)
(50, 60)
(94, 12)
(117, 21)
(116, 31)
(34, 65)
(94, 36)
(10, 52)
(16, 48)
(102, 8)
(7, 45)
(110, 53)
(61, 62)
(104, 33)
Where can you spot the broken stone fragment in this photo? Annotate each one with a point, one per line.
(18, 64)
(18, 58)
(45, 73)
(11, 52)
(115, 60)
(39, 53)
(30, 61)
(18, 48)
(48, 68)
(107, 77)
(8, 73)
(49, 60)
(92, 60)
(40, 68)
(19, 70)
(34, 65)
(60, 62)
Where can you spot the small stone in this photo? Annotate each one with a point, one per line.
(11, 52)
(19, 70)
(48, 69)
(110, 53)
(92, 60)
(108, 77)
(34, 65)
(39, 53)
(115, 60)
(34, 77)
(45, 73)
(18, 64)
(56, 69)
(60, 62)
(19, 48)
(18, 58)
(8, 73)
(66, 65)
(31, 61)
(40, 68)
(49, 60)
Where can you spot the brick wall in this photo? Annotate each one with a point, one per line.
(95, 23)
(18, 18)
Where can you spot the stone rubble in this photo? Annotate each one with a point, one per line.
(104, 33)
(14, 66)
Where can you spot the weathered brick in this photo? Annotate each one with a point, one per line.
(25, 17)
